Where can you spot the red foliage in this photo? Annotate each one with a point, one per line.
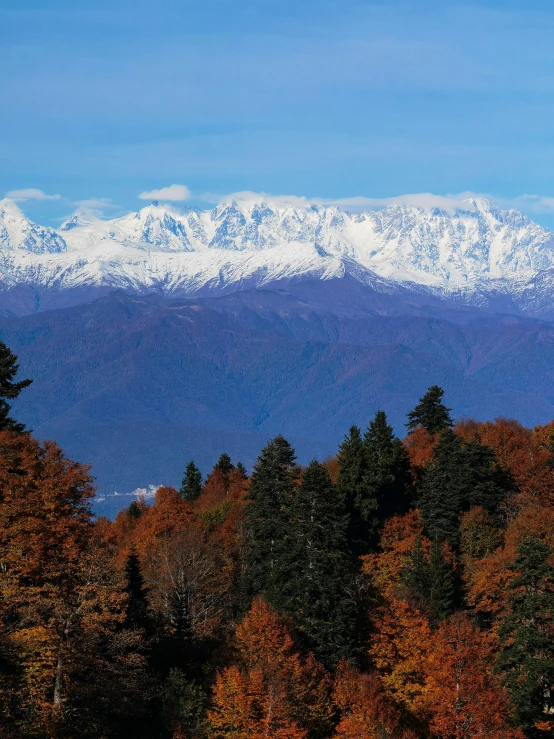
(366, 711)
(462, 696)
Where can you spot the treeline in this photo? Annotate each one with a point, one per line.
(403, 589)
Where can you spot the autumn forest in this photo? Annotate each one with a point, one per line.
(403, 588)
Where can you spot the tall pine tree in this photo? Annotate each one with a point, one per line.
(224, 464)
(272, 484)
(526, 659)
(441, 584)
(429, 582)
(415, 576)
(191, 486)
(386, 470)
(430, 412)
(137, 615)
(460, 475)
(319, 591)
(443, 491)
(360, 502)
(9, 389)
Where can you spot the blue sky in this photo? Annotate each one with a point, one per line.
(105, 100)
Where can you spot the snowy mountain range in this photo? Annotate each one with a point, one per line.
(196, 332)
(475, 254)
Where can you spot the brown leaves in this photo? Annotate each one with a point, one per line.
(186, 574)
(44, 516)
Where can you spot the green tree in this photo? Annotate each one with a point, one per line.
(224, 464)
(415, 576)
(443, 490)
(489, 482)
(242, 470)
(184, 705)
(9, 389)
(441, 584)
(386, 471)
(526, 659)
(272, 484)
(430, 412)
(134, 510)
(191, 486)
(360, 502)
(319, 591)
(459, 476)
(137, 613)
(429, 582)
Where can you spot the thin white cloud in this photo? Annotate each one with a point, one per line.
(96, 204)
(357, 203)
(174, 193)
(426, 200)
(31, 193)
(528, 203)
(539, 204)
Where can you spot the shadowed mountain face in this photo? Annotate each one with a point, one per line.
(137, 385)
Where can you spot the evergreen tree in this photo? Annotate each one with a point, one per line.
(134, 510)
(319, 590)
(191, 486)
(224, 464)
(387, 470)
(441, 584)
(360, 502)
(415, 576)
(444, 487)
(489, 482)
(9, 389)
(459, 476)
(526, 660)
(137, 616)
(430, 583)
(242, 470)
(430, 412)
(184, 705)
(266, 521)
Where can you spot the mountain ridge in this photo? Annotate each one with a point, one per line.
(152, 382)
(476, 254)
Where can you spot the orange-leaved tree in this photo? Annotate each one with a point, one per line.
(366, 710)
(401, 641)
(270, 691)
(44, 532)
(463, 698)
(75, 669)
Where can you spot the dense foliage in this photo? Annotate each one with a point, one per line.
(403, 589)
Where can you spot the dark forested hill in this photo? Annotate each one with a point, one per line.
(138, 386)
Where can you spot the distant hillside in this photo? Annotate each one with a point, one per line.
(138, 386)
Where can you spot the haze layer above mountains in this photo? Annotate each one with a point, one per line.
(165, 335)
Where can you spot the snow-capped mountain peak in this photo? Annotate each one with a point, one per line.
(17, 232)
(81, 217)
(253, 241)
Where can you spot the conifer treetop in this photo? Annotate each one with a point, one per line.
(9, 389)
(430, 412)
